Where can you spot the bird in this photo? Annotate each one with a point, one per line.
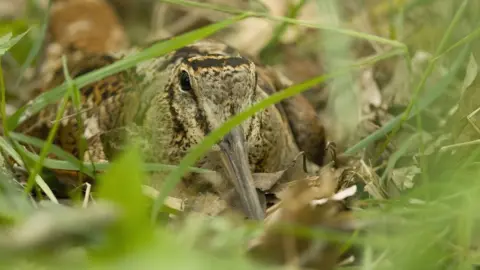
(170, 103)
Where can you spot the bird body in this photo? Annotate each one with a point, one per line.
(171, 103)
(150, 96)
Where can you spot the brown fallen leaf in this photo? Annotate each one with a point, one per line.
(307, 203)
(217, 203)
(77, 28)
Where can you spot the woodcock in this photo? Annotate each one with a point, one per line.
(173, 101)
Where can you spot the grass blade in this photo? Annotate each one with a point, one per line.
(9, 150)
(438, 91)
(467, 39)
(6, 42)
(198, 150)
(76, 100)
(431, 65)
(36, 46)
(122, 185)
(54, 149)
(304, 23)
(155, 50)
(269, 50)
(5, 46)
(3, 102)
(91, 168)
(43, 153)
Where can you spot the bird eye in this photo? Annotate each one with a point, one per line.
(185, 81)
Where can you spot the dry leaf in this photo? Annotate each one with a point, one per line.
(309, 203)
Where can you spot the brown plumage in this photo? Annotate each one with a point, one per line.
(170, 103)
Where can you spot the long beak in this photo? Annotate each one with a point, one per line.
(235, 160)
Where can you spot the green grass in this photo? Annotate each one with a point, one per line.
(155, 50)
(431, 226)
(200, 149)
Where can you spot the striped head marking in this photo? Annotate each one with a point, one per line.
(206, 90)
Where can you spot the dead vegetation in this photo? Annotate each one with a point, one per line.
(396, 192)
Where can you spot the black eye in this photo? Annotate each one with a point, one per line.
(185, 81)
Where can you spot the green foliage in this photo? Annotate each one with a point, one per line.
(36, 46)
(7, 42)
(269, 52)
(197, 151)
(17, 28)
(432, 226)
(122, 185)
(156, 50)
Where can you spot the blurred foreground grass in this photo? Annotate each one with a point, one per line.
(433, 225)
